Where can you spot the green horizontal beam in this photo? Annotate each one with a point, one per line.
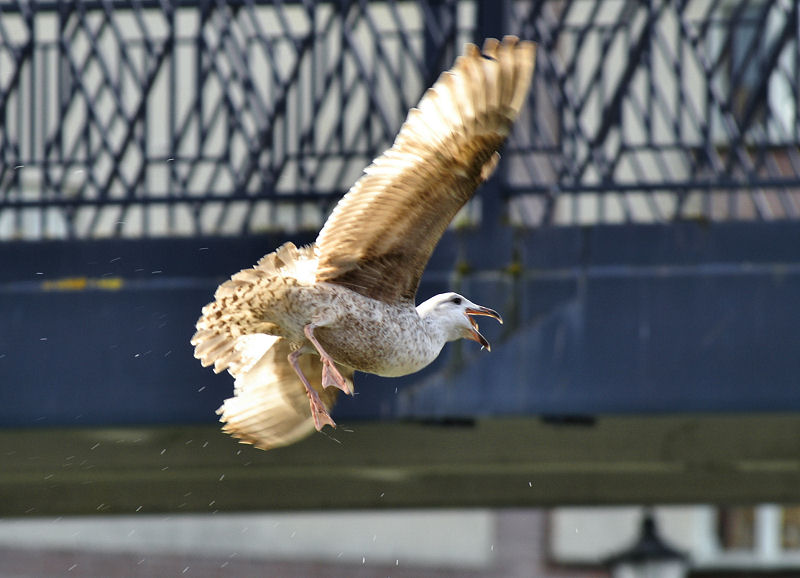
(493, 463)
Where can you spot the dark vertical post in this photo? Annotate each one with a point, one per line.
(439, 36)
(29, 52)
(496, 247)
(492, 22)
(173, 111)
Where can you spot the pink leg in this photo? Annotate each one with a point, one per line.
(330, 375)
(318, 411)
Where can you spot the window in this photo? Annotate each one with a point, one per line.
(790, 528)
(736, 528)
(755, 44)
(763, 536)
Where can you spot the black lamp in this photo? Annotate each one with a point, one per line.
(649, 557)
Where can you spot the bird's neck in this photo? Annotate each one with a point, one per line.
(438, 332)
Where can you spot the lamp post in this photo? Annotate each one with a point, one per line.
(649, 557)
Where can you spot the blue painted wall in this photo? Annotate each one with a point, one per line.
(679, 318)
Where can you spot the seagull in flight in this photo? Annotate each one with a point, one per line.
(293, 329)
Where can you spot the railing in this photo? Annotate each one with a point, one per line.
(659, 110)
(148, 118)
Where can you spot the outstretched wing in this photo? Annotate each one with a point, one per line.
(381, 234)
(270, 406)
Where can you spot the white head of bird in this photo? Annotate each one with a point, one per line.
(454, 313)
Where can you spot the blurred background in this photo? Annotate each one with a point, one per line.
(638, 414)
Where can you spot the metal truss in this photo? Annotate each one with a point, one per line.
(661, 109)
(149, 117)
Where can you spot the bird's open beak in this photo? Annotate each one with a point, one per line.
(475, 335)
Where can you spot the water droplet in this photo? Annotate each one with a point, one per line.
(222, 477)
(71, 568)
(18, 167)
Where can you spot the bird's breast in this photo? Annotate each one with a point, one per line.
(382, 339)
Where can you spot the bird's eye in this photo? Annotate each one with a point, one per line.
(456, 300)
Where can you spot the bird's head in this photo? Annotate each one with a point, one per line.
(455, 314)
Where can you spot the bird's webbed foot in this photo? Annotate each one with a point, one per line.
(332, 377)
(330, 374)
(318, 410)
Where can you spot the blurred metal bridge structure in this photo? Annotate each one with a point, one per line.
(641, 236)
(136, 119)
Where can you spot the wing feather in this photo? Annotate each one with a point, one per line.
(380, 236)
(270, 407)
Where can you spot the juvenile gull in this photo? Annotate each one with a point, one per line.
(293, 329)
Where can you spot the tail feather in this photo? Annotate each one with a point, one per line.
(270, 406)
(237, 302)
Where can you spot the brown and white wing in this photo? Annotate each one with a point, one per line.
(270, 407)
(380, 236)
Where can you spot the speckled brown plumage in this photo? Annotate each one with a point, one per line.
(347, 302)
